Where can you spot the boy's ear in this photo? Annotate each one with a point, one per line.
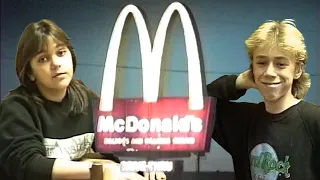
(298, 70)
(251, 68)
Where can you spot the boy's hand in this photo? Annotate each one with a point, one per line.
(245, 80)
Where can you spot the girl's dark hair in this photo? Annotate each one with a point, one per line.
(33, 40)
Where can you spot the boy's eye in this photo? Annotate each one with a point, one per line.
(261, 62)
(282, 64)
(61, 52)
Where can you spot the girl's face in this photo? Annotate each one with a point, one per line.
(52, 69)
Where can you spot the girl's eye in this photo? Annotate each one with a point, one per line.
(42, 60)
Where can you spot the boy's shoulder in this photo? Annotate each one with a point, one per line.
(310, 114)
(310, 111)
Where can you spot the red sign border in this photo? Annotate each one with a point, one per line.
(210, 121)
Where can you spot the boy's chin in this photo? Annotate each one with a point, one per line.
(271, 97)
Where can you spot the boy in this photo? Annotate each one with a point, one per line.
(280, 137)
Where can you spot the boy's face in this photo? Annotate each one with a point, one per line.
(274, 71)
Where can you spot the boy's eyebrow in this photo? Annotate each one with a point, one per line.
(60, 45)
(276, 57)
(260, 57)
(281, 58)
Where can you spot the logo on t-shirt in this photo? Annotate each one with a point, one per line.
(265, 164)
(72, 148)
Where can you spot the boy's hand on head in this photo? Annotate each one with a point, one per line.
(245, 80)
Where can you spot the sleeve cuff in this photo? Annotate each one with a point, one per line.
(233, 91)
(42, 167)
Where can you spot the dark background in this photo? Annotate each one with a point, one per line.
(223, 27)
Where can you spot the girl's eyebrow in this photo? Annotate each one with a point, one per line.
(57, 46)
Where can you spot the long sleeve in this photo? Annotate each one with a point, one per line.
(232, 118)
(22, 154)
(224, 88)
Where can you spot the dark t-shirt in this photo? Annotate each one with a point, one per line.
(264, 146)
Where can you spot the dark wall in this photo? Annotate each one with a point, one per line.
(223, 27)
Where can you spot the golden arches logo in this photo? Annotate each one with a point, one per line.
(151, 57)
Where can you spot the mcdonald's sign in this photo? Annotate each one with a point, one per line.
(153, 123)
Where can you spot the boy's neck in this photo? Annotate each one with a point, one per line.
(281, 104)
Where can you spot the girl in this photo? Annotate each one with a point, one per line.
(46, 123)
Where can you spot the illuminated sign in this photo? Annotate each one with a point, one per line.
(153, 123)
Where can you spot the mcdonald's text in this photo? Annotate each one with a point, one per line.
(131, 124)
(167, 125)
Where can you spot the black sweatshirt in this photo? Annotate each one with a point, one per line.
(264, 146)
(32, 137)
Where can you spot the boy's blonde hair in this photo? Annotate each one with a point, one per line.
(285, 35)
